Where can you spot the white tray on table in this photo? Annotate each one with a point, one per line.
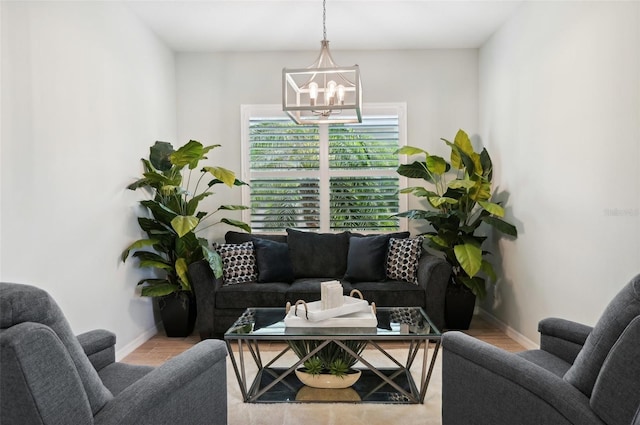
(353, 313)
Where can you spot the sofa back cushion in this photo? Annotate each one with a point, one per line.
(39, 383)
(318, 254)
(616, 394)
(24, 303)
(619, 313)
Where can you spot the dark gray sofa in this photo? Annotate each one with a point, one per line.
(317, 257)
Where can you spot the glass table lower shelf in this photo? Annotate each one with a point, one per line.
(369, 388)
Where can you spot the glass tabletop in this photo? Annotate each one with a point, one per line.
(393, 323)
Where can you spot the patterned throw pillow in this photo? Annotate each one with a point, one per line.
(238, 263)
(402, 259)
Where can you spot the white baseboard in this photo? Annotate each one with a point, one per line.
(508, 330)
(130, 347)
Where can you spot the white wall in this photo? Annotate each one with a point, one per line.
(560, 113)
(86, 89)
(440, 88)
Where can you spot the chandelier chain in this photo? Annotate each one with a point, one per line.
(324, 20)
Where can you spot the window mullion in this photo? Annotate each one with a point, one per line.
(323, 133)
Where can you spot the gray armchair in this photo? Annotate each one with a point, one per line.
(49, 376)
(580, 375)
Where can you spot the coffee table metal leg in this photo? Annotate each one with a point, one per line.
(239, 371)
(426, 376)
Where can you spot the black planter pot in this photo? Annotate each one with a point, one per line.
(178, 313)
(458, 307)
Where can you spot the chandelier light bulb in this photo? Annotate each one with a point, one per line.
(313, 93)
(340, 89)
(331, 92)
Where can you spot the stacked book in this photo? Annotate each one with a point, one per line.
(331, 295)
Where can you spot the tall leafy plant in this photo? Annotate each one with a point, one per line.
(461, 200)
(175, 194)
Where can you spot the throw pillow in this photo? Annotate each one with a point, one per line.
(318, 254)
(366, 258)
(242, 237)
(238, 263)
(274, 264)
(402, 260)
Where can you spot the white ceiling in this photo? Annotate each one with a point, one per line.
(261, 25)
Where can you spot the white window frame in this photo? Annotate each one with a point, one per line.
(324, 173)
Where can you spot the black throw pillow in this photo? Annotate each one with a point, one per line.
(274, 264)
(318, 254)
(242, 237)
(367, 257)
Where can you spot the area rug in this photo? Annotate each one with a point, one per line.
(429, 413)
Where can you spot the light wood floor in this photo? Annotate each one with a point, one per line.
(159, 348)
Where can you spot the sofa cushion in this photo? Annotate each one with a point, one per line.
(251, 295)
(274, 264)
(546, 360)
(619, 313)
(318, 254)
(238, 263)
(402, 259)
(241, 237)
(366, 259)
(391, 293)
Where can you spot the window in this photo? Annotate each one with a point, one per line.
(325, 177)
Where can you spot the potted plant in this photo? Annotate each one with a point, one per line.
(171, 243)
(331, 366)
(460, 198)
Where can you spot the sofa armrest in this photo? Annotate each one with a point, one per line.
(483, 384)
(99, 346)
(562, 338)
(204, 285)
(433, 276)
(195, 380)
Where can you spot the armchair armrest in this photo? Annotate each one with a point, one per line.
(433, 277)
(99, 346)
(204, 285)
(194, 381)
(483, 384)
(563, 338)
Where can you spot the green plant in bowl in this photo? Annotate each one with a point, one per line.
(331, 359)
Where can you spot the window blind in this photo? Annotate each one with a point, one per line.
(337, 178)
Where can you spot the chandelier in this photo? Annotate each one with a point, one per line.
(323, 92)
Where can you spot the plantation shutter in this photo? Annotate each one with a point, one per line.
(339, 178)
(284, 164)
(364, 184)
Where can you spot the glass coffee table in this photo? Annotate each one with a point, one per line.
(409, 326)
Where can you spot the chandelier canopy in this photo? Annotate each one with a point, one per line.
(322, 92)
